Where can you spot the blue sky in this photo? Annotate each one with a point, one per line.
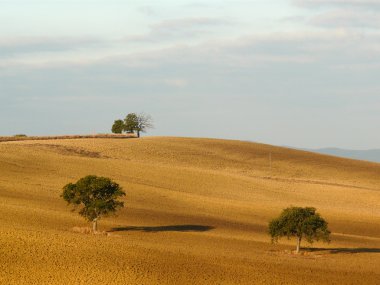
(301, 73)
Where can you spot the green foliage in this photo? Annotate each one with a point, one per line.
(118, 127)
(131, 123)
(20, 136)
(300, 223)
(95, 196)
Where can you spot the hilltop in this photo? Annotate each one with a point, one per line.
(196, 213)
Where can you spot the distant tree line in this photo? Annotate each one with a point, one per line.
(133, 123)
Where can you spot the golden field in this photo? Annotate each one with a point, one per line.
(196, 212)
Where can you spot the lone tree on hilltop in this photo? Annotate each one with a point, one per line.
(299, 223)
(118, 127)
(95, 196)
(137, 122)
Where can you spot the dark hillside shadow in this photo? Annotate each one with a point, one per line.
(174, 228)
(345, 250)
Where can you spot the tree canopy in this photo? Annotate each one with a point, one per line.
(130, 123)
(94, 196)
(299, 223)
(118, 127)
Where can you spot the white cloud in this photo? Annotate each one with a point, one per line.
(347, 18)
(11, 47)
(193, 29)
(337, 45)
(347, 14)
(344, 3)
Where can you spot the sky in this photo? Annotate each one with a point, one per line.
(302, 73)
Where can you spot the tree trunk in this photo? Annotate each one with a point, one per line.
(298, 245)
(138, 134)
(94, 225)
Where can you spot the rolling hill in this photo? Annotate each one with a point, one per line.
(196, 212)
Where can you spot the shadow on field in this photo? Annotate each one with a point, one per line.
(174, 228)
(346, 250)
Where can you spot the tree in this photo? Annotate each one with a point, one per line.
(95, 196)
(130, 123)
(144, 122)
(299, 223)
(138, 123)
(118, 127)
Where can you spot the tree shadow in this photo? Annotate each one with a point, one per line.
(174, 228)
(345, 250)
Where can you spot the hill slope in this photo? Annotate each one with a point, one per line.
(369, 155)
(196, 213)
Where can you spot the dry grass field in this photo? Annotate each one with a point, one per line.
(196, 212)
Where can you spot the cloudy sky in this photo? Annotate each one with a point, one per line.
(303, 73)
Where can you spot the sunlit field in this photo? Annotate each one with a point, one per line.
(196, 212)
